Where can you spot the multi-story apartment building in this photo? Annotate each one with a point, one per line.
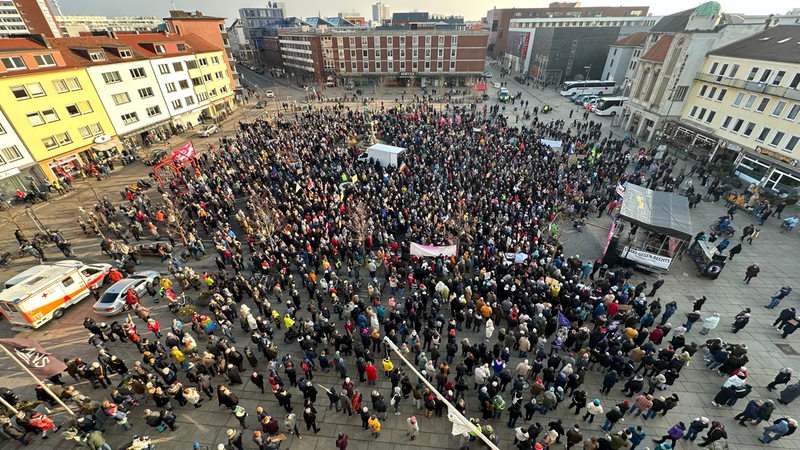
(744, 107)
(393, 56)
(52, 105)
(190, 75)
(126, 84)
(16, 162)
(665, 71)
(27, 16)
(623, 56)
(73, 26)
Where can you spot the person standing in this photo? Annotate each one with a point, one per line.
(374, 426)
(96, 441)
(341, 441)
(413, 427)
(753, 236)
(716, 433)
(674, 434)
(775, 431)
(782, 377)
(780, 295)
(574, 436)
(789, 394)
(291, 425)
(310, 417)
(696, 427)
(751, 272)
(735, 250)
(656, 285)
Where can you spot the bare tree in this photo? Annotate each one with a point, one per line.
(359, 224)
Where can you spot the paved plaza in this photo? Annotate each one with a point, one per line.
(776, 253)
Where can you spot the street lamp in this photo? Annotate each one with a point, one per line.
(586, 77)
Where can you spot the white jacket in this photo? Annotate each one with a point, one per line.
(591, 408)
(711, 322)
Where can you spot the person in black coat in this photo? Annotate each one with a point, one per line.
(258, 380)
(310, 417)
(233, 374)
(782, 377)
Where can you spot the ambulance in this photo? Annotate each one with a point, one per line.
(44, 292)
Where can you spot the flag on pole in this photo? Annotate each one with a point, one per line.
(33, 357)
(563, 321)
(402, 167)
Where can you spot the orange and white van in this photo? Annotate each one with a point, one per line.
(47, 290)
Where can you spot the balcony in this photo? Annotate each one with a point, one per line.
(752, 86)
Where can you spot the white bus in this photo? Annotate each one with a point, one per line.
(610, 106)
(570, 88)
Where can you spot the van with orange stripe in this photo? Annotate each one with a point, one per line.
(48, 289)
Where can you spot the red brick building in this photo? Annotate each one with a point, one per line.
(400, 57)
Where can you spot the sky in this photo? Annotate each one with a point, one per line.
(471, 10)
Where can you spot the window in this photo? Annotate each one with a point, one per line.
(778, 108)
(352, 54)
(73, 110)
(74, 84)
(203, 62)
(440, 41)
(763, 104)
(50, 142)
(177, 66)
(20, 93)
(795, 81)
(377, 65)
(453, 53)
(121, 98)
(693, 112)
(183, 84)
(440, 53)
(365, 53)
(68, 282)
(427, 53)
(111, 77)
(215, 60)
(97, 56)
(153, 111)
(208, 78)
(353, 66)
(738, 125)
(84, 107)
(402, 66)
(776, 81)
(734, 69)
(145, 92)
(713, 68)
(721, 95)
(414, 53)
(414, 66)
(125, 54)
(752, 74)
(138, 72)
(402, 53)
(792, 114)
(378, 53)
(201, 97)
(750, 101)
(181, 47)
(85, 132)
(163, 69)
(765, 75)
(170, 87)
(710, 117)
(341, 65)
(791, 143)
(366, 65)
(738, 100)
(453, 40)
(726, 122)
(160, 49)
(712, 92)
(14, 63)
(11, 153)
(452, 65)
(427, 40)
(189, 100)
(763, 134)
(390, 66)
(776, 140)
(63, 138)
(45, 60)
(427, 65)
(197, 81)
(177, 104)
(702, 114)
(402, 41)
(219, 75)
(680, 93)
(35, 119)
(191, 64)
(748, 130)
(61, 86)
(702, 92)
(129, 118)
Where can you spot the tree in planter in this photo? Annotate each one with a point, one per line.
(359, 224)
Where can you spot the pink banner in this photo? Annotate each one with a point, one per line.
(433, 250)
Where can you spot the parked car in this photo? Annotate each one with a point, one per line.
(155, 158)
(208, 130)
(487, 74)
(262, 104)
(270, 94)
(497, 85)
(113, 300)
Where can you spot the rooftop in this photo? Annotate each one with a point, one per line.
(780, 44)
(658, 52)
(634, 40)
(194, 43)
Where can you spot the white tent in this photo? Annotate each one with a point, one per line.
(385, 154)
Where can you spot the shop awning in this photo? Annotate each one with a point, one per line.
(108, 145)
(664, 212)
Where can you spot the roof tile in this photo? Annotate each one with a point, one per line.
(658, 52)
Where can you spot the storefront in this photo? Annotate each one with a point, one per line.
(148, 136)
(68, 166)
(12, 180)
(106, 148)
(769, 169)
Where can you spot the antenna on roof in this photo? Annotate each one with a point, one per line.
(173, 6)
(57, 4)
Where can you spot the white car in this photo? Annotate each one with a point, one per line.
(113, 301)
(497, 85)
(270, 94)
(487, 74)
(208, 130)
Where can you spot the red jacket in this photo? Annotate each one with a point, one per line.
(372, 372)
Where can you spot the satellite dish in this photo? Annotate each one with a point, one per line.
(102, 139)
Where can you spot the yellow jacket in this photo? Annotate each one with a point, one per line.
(374, 425)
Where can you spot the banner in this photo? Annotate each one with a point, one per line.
(563, 321)
(433, 250)
(32, 356)
(184, 153)
(458, 427)
(648, 259)
(554, 144)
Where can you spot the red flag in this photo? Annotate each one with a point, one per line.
(33, 357)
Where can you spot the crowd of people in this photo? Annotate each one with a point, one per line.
(312, 243)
